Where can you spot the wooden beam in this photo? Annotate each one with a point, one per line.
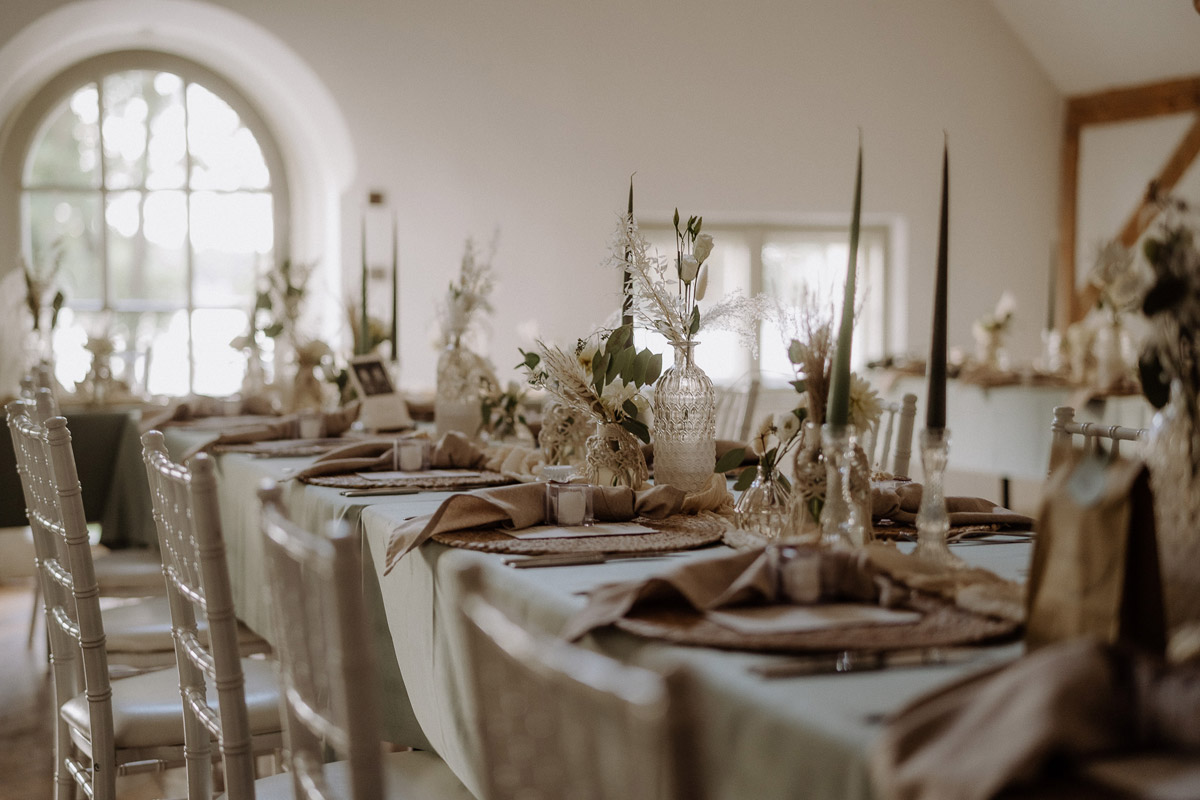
(1068, 188)
(1135, 102)
(1147, 211)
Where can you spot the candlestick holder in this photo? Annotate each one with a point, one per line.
(933, 521)
(845, 518)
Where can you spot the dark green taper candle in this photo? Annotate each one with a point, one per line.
(935, 403)
(626, 278)
(837, 411)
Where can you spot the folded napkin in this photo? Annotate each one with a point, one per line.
(199, 406)
(524, 505)
(800, 575)
(453, 451)
(1062, 704)
(335, 424)
(900, 503)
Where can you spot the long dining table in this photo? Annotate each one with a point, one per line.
(763, 738)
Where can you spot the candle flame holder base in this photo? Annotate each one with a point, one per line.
(933, 521)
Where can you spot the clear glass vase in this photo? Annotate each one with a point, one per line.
(614, 457)
(1171, 453)
(846, 514)
(762, 509)
(933, 521)
(685, 423)
(456, 406)
(808, 488)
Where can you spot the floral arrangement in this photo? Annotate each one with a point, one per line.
(602, 377)
(503, 409)
(667, 292)
(1171, 303)
(1118, 276)
(469, 295)
(776, 436)
(997, 322)
(39, 283)
(282, 297)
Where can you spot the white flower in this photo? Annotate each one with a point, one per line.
(616, 393)
(688, 269)
(788, 425)
(702, 247)
(865, 406)
(586, 356)
(763, 439)
(1005, 306)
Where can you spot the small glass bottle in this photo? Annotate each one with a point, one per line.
(567, 504)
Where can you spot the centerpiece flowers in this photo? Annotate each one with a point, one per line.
(603, 378)
(666, 294)
(44, 299)
(989, 332)
(460, 372)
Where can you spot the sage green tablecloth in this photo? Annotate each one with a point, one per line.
(801, 737)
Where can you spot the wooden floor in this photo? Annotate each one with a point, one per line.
(26, 740)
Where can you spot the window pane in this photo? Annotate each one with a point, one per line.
(70, 225)
(126, 113)
(219, 368)
(169, 364)
(166, 155)
(232, 235)
(67, 150)
(147, 255)
(225, 154)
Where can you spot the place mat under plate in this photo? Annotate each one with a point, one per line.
(282, 448)
(745, 540)
(429, 481)
(941, 625)
(680, 532)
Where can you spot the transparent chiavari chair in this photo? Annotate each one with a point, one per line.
(558, 721)
(1064, 428)
(244, 721)
(327, 673)
(895, 431)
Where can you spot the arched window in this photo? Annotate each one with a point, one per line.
(157, 191)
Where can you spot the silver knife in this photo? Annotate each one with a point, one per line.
(861, 661)
(577, 559)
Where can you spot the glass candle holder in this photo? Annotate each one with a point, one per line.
(933, 521)
(843, 523)
(311, 421)
(568, 504)
(410, 455)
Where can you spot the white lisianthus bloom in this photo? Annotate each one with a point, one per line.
(586, 356)
(616, 393)
(762, 439)
(788, 425)
(689, 267)
(865, 405)
(1006, 306)
(702, 247)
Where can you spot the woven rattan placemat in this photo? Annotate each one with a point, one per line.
(745, 540)
(679, 532)
(941, 625)
(282, 448)
(430, 481)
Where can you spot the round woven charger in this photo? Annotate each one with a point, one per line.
(941, 625)
(679, 532)
(282, 448)
(746, 540)
(430, 481)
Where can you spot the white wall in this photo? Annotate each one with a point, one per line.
(530, 115)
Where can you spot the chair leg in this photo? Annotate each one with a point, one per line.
(33, 614)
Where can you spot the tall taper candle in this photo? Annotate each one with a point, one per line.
(395, 292)
(626, 278)
(837, 412)
(935, 402)
(364, 329)
(1050, 295)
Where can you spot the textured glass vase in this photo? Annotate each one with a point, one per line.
(614, 457)
(762, 509)
(456, 406)
(846, 514)
(685, 423)
(1176, 488)
(933, 522)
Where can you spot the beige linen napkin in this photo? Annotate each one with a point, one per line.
(524, 505)
(335, 424)
(200, 406)
(453, 451)
(901, 502)
(1064, 703)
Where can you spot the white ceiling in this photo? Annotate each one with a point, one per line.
(1087, 46)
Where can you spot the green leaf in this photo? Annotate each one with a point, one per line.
(731, 460)
(783, 482)
(1155, 384)
(263, 301)
(676, 219)
(694, 324)
(630, 408)
(653, 368)
(745, 479)
(599, 370)
(273, 330)
(795, 351)
(618, 339)
(617, 363)
(637, 428)
(637, 370)
(799, 385)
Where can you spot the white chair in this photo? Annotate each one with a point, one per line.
(898, 418)
(327, 672)
(735, 410)
(244, 723)
(557, 721)
(102, 727)
(139, 631)
(1064, 427)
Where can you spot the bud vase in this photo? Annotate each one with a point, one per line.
(685, 423)
(846, 514)
(456, 406)
(762, 509)
(614, 457)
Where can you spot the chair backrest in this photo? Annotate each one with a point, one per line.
(197, 575)
(895, 430)
(1064, 427)
(558, 721)
(326, 658)
(735, 410)
(70, 595)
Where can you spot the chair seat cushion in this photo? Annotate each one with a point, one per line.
(406, 775)
(148, 712)
(130, 573)
(145, 626)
